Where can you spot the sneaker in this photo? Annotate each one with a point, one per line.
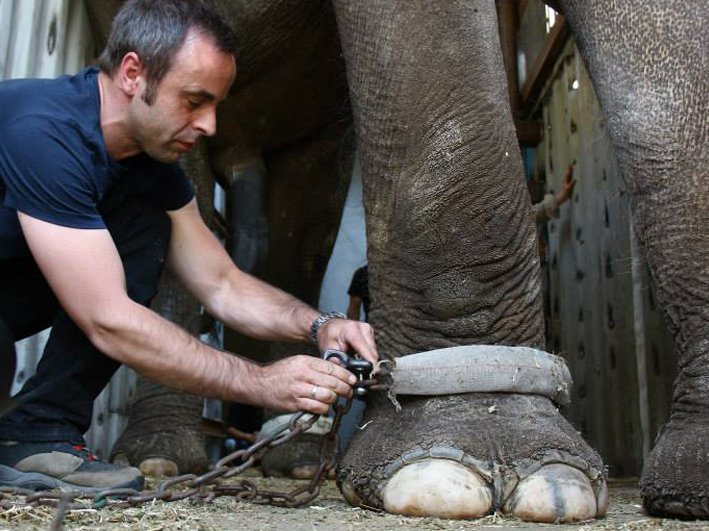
(64, 465)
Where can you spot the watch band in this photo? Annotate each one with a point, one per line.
(321, 320)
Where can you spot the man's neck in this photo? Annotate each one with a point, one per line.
(115, 125)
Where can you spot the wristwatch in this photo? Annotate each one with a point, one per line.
(321, 320)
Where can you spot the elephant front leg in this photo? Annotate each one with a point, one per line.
(653, 85)
(452, 261)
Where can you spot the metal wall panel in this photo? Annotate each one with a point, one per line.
(602, 314)
(47, 38)
(530, 39)
(42, 38)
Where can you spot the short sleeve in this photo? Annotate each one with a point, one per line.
(50, 172)
(172, 188)
(546, 209)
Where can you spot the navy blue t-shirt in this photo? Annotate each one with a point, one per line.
(54, 165)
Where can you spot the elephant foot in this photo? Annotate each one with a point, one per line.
(162, 454)
(164, 425)
(153, 467)
(159, 467)
(466, 456)
(674, 482)
(298, 458)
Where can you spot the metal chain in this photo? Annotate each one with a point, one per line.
(207, 487)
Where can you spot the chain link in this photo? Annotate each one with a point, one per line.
(208, 487)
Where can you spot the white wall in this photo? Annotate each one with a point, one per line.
(350, 251)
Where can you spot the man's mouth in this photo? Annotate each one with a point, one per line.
(185, 146)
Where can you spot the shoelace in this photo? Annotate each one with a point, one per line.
(83, 449)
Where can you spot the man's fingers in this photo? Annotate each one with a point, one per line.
(335, 371)
(306, 383)
(363, 343)
(347, 334)
(322, 394)
(313, 406)
(338, 384)
(318, 398)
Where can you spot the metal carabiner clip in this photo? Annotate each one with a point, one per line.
(362, 369)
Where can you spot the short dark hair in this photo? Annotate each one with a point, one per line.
(155, 30)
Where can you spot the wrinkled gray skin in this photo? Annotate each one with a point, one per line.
(451, 239)
(653, 84)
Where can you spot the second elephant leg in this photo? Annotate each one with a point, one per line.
(653, 85)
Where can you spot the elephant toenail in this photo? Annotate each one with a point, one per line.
(554, 493)
(437, 487)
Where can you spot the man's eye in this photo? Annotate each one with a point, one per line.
(193, 104)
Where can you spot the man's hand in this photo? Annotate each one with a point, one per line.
(569, 183)
(302, 383)
(346, 335)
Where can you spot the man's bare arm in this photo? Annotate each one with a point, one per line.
(85, 272)
(245, 303)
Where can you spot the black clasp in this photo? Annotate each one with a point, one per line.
(362, 369)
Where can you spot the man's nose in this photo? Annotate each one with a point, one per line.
(206, 122)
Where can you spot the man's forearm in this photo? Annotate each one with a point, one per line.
(260, 310)
(164, 352)
(257, 309)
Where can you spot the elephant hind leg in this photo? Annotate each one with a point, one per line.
(164, 435)
(297, 459)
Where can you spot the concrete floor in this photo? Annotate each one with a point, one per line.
(329, 512)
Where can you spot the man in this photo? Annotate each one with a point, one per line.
(359, 294)
(548, 207)
(91, 202)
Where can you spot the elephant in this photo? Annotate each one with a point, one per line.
(451, 238)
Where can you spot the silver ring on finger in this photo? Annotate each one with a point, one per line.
(314, 391)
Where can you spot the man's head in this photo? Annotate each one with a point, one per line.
(172, 60)
(156, 30)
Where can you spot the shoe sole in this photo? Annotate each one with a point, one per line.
(11, 477)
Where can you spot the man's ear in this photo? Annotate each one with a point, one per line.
(130, 73)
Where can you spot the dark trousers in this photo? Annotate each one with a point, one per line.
(56, 403)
